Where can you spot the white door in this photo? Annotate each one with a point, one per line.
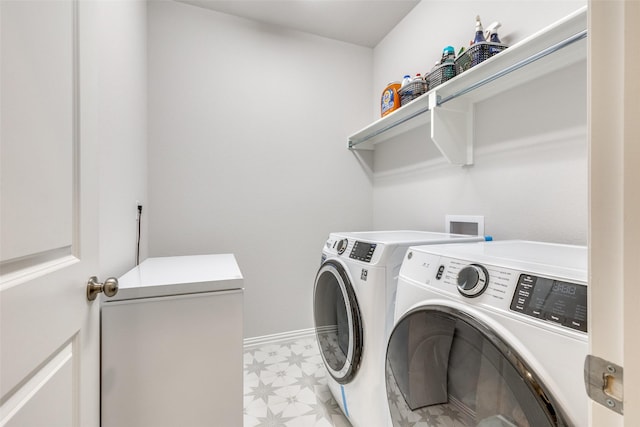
(615, 200)
(49, 349)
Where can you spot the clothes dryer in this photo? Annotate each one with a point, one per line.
(490, 335)
(354, 295)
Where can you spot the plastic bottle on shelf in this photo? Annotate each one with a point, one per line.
(494, 36)
(420, 83)
(448, 59)
(477, 49)
(479, 37)
(448, 55)
(406, 90)
(390, 100)
(492, 32)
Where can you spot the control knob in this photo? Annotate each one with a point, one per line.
(342, 246)
(473, 280)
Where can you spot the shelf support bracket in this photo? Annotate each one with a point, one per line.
(452, 129)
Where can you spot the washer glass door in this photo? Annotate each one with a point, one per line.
(337, 321)
(446, 368)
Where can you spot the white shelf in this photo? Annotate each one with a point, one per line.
(447, 110)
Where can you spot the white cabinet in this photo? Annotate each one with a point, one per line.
(446, 111)
(172, 344)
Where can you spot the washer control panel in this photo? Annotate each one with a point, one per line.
(554, 300)
(362, 251)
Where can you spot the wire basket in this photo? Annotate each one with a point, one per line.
(476, 54)
(412, 90)
(440, 74)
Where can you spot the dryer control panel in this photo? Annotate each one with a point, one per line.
(554, 300)
(362, 251)
(355, 249)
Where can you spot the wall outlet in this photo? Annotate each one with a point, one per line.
(138, 206)
(472, 225)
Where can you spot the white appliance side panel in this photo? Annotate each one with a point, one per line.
(173, 361)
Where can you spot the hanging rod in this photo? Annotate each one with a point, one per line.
(389, 126)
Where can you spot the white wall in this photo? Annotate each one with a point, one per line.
(121, 100)
(247, 145)
(529, 177)
(248, 129)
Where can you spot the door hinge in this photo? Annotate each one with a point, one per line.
(604, 383)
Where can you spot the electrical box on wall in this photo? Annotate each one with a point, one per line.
(464, 224)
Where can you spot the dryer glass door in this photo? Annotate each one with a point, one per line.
(445, 368)
(337, 321)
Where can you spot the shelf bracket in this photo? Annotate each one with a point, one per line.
(452, 129)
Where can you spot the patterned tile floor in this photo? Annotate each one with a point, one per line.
(285, 386)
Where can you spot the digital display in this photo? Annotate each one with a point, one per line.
(554, 300)
(362, 251)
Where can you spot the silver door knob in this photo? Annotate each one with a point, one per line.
(109, 287)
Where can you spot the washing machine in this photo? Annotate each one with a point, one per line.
(354, 294)
(489, 335)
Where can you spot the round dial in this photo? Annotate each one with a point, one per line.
(473, 280)
(342, 246)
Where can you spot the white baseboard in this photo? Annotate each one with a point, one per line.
(283, 336)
